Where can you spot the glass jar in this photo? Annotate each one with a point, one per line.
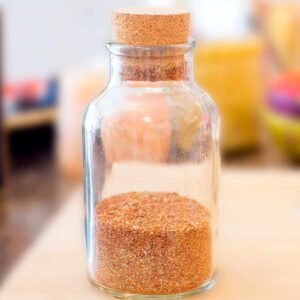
(151, 156)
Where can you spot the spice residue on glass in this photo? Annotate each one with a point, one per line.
(152, 243)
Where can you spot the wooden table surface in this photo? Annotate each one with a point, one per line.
(259, 246)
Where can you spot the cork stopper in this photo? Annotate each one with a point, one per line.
(151, 26)
(156, 30)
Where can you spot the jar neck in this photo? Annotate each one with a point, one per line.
(150, 63)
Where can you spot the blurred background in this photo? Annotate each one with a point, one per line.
(53, 61)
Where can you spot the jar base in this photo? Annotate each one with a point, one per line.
(123, 295)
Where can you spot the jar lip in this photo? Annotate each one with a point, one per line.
(141, 50)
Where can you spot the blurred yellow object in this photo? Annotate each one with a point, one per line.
(231, 71)
(283, 30)
(285, 132)
(77, 89)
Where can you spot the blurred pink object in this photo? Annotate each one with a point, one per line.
(78, 87)
(284, 95)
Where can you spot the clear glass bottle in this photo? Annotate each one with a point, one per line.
(151, 155)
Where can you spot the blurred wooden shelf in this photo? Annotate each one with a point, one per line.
(30, 118)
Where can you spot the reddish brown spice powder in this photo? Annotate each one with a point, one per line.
(152, 243)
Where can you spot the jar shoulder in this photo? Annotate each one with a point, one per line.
(142, 101)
